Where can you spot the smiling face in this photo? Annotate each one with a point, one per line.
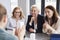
(48, 12)
(34, 11)
(17, 13)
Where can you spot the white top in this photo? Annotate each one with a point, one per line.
(57, 31)
(13, 24)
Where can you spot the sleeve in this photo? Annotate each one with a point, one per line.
(53, 31)
(48, 29)
(57, 31)
(58, 26)
(8, 26)
(28, 25)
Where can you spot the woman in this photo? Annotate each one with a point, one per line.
(16, 23)
(35, 21)
(52, 21)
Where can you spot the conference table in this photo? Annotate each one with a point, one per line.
(39, 36)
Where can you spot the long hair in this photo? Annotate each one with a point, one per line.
(54, 17)
(21, 12)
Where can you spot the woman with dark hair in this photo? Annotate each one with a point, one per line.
(52, 21)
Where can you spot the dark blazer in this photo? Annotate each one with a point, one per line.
(40, 21)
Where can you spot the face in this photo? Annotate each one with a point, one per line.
(48, 13)
(34, 12)
(17, 13)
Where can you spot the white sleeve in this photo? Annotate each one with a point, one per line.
(9, 24)
(58, 26)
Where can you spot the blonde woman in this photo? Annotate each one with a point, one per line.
(16, 22)
(35, 20)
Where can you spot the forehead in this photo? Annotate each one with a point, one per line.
(34, 8)
(17, 10)
(46, 9)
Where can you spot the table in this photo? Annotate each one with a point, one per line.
(39, 36)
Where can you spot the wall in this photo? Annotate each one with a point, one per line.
(7, 5)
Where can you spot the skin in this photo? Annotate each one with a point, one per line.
(34, 12)
(3, 22)
(17, 13)
(49, 13)
(19, 32)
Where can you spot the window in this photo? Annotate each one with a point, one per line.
(50, 2)
(38, 3)
(14, 3)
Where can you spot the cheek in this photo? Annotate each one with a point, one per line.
(17, 14)
(51, 14)
(14, 14)
(6, 19)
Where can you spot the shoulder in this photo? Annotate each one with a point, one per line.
(6, 36)
(10, 37)
(11, 19)
(58, 19)
(23, 19)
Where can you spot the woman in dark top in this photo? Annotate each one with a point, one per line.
(35, 21)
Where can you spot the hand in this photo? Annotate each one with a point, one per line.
(31, 30)
(17, 32)
(32, 19)
(44, 26)
(23, 30)
(49, 31)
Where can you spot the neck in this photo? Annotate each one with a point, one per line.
(49, 18)
(17, 18)
(36, 15)
(1, 26)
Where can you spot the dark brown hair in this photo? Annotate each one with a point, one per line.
(55, 15)
(2, 11)
(21, 12)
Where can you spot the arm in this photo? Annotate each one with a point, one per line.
(48, 29)
(58, 26)
(9, 26)
(28, 26)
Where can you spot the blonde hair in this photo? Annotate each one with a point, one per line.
(35, 6)
(21, 12)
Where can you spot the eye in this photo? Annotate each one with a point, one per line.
(34, 10)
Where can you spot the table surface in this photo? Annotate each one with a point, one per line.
(39, 36)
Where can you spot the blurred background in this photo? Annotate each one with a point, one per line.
(26, 5)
